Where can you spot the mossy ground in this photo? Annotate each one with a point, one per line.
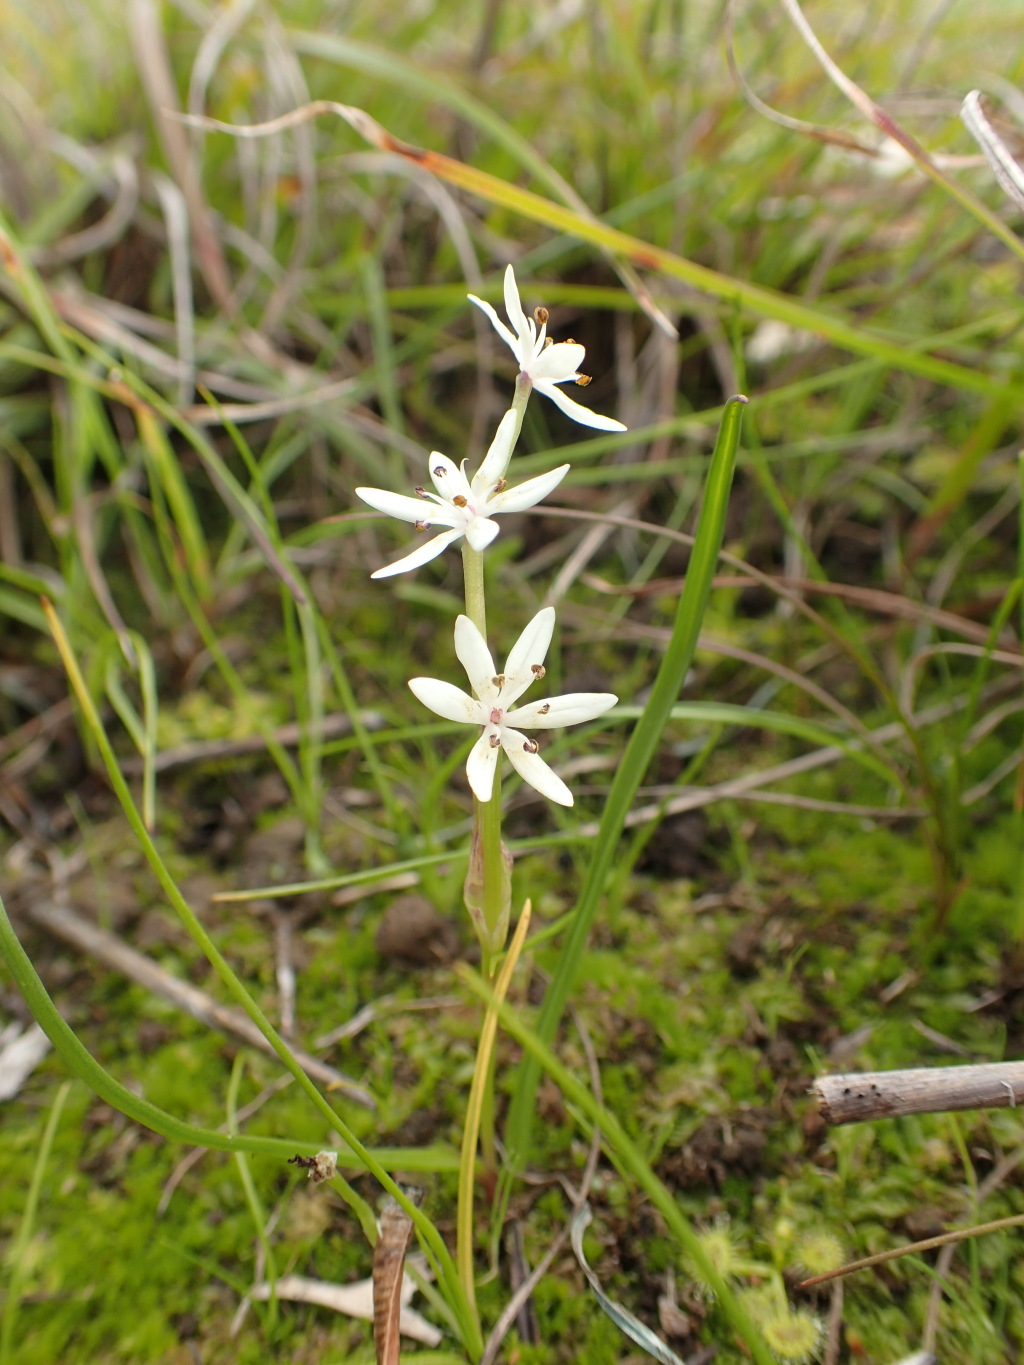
(711, 1001)
(874, 921)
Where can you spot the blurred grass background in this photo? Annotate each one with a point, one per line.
(207, 343)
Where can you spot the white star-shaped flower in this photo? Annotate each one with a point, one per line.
(496, 693)
(547, 363)
(466, 506)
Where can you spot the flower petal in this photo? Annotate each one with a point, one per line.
(480, 531)
(571, 709)
(474, 656)
(446, 476)
(422, 555)
(446, 700)
(481, 766)
(559, 362)
(514, 308)
(575, 410)
(496, 322)
(532, 768)
(529, 650)
(528, 494)
(496, 460)
(400, 506)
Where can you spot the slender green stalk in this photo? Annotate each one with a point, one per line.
(488, 816)
(312, 711)
(520, 399)
(639, 752)
(252, 1198)
(17, 1256)
(480, 1091)
(141, 728)
(473, 587)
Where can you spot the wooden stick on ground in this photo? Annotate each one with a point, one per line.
(855, 1098)
(72, 928)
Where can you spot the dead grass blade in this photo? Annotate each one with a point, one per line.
(158, 82)
(388, 1271)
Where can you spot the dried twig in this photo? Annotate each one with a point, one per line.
(854, 1098)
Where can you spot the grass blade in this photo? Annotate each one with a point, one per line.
(18, 1253)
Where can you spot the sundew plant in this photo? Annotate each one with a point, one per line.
(511, 589)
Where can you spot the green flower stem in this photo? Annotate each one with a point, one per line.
(473, 581)
(488, 816)
(524, 387)
(480, 1109)
(444, 1266)
(488, 1145)
(493, 906)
